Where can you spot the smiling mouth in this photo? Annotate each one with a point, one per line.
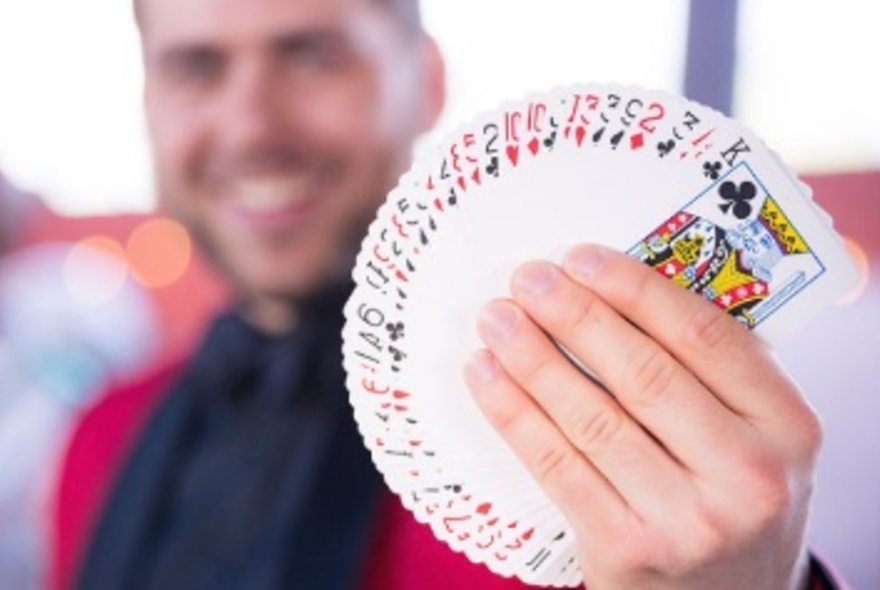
(271, 194)
(272, 200)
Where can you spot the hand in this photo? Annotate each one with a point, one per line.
(696, 472)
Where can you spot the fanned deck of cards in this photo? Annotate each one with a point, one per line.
(671, 182)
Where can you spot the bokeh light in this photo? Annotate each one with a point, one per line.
(95, 270)
(863, 264)
(159, 252)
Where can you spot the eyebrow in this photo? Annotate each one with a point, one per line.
(178, 53)
(297, 40)
(310, 38)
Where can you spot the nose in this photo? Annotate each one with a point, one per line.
(252, 114)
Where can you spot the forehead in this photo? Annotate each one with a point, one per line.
(169, 21)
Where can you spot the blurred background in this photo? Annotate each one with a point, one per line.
(93, 285)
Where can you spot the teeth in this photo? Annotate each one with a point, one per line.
(270, 194)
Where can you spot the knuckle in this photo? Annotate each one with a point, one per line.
(653, 373)
(554, 464)
(709, 328)
(641, 560)
(770, 494)
(502, 419)
(536, 371)
(632, 562)
(506, 419)
(705, 543)
(592, 429)
(772, 500)
(636, 293)
(705, 533)
(801, 432)
(809, 434)
(580, 316)
(629, 553)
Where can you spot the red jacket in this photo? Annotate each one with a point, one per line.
(404, 556)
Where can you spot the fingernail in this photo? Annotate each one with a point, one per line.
(496, 322)
(584, 262)
(534, 279)
(481, 368)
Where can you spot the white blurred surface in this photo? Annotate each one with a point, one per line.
(807, 80)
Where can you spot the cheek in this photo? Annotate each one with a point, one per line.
(352, 113)
(176, 139)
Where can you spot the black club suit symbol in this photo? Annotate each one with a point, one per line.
(737, 198)
(712, 170)
(664, 147)
(395, 331)
(397, 354)
(492, 168)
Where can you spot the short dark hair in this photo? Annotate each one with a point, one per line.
(408, 12)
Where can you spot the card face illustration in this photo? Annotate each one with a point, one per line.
(735, 245)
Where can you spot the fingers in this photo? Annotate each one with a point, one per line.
(579, 490)
(735, 366)
(690, 455)
(721, 353)
(591, 422)
(653, 387)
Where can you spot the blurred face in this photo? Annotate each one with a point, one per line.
(277, 128)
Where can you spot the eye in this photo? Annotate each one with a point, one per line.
(317, 52)
(191, 67)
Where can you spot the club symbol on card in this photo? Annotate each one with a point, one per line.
(492, 168)
(395, 330)
(550, 141)
(737, 198)
(712, 170)
(615, 139)
(664, 147)
(398, 355)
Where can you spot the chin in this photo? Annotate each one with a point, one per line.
(294, 287)
(289, 270)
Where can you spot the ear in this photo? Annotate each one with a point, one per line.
(433, 72)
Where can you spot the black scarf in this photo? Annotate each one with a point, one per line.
(250, 476)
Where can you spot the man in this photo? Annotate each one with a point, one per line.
(277, 128)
